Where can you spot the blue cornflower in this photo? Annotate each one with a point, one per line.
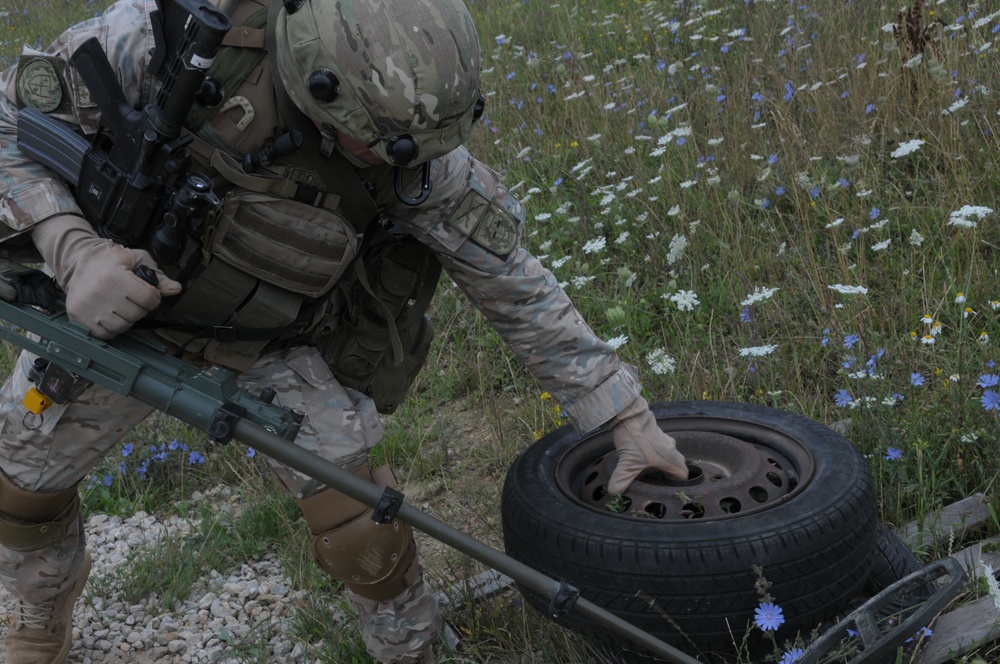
(869, 108)
(764, 203)
(194, 458)
(251, 452)
(107, 480)
(745, 315)
(779, 190)
(127, 449)
(850, 340)
(922, 633)
(842, 399)
(772, 159)
(510, 76)
(814, 192)
(825, 340)
(791, 656)
(843, 183)
(893, 454)
(768, 616)
(916, 379)
(988, 380)
(874, 213)
(558, 182)
(990, 400)
(174, 444)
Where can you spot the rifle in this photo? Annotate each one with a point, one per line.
(137, 167)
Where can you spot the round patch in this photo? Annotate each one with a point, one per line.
(38, 85)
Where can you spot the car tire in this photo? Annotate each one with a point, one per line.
(787, 511)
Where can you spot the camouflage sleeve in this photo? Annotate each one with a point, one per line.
(479, 247)
(30, 192)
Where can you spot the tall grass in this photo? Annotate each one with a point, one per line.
(784, 203)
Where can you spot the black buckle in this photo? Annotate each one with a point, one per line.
(564, 601)
(388, 504)
(226, 334)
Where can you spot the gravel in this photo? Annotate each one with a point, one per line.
(221, 609)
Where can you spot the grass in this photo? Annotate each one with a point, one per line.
(761, 201)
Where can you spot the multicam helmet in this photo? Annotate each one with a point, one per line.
(401, 76)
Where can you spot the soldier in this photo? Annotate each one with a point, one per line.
(269, 287)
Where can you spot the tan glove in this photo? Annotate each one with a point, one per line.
(641, 444)
(102, 292)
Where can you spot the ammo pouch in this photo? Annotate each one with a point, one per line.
(383, 335)
(265, 258)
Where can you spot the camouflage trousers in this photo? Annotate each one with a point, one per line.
(58, 449)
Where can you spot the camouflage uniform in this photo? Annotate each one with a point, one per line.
(520, 297)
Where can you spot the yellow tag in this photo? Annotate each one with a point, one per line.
(36, 402)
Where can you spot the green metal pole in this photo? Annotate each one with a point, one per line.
(365, 492)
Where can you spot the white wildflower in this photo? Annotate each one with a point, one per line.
(559, 262)
(758, 351)
(674, 211)
(622, 238)
(835, 223)
(685, 300)
(618, 342)
(916, 239)
(544, 216)
(678, 243)
(595, 246)
(882, 245)
(954, 107)
(906, 148)
(968, 216)
(848, 290)
(660, 363)
(581, 281)
(759, 293)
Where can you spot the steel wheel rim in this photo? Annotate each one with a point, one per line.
(736, 469)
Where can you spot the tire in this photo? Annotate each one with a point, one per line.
(891, 561)
(681, 569)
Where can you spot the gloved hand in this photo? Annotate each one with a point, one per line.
(642, 444)
(102, 292)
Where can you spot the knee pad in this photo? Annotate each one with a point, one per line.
(376, 561)
(33, 520)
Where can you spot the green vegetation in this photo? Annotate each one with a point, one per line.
(780, 203)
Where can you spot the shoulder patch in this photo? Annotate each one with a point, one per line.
(39, 83)
(485, 223)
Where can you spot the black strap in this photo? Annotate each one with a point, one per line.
(358, 208)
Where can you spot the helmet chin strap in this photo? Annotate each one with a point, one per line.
(425, 185)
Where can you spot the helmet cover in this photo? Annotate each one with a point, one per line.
(383, 70)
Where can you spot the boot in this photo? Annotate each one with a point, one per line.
(43, 633)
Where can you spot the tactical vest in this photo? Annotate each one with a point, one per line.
(285, 258)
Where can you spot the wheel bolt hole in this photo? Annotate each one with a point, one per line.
(758, 493)
(730, 505)
(775, 479)
(655, 510)
(692, 511)
(591, 477)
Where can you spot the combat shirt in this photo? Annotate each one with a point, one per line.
(514, 291)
